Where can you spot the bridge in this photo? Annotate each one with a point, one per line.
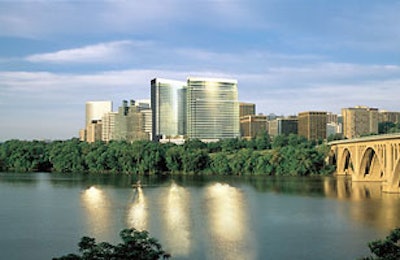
(373, 158)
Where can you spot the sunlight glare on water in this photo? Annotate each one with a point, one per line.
(176, 219)
(138, 212)
(228, 223)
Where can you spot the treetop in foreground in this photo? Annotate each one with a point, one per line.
(388, 249)
(136, 245)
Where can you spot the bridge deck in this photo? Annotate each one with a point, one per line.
(367, 139)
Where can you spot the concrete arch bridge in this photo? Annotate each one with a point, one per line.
(372, 158)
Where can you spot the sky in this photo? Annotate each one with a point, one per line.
(288, 56)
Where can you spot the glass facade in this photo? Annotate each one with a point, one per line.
(168, 103)
(212, 108)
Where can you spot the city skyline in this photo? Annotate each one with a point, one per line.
(288, 56)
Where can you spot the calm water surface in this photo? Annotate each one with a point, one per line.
(44, 215)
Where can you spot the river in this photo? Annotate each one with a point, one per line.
(44, 215)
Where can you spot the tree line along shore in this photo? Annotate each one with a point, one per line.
(290, 155)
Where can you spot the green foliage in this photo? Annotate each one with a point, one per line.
(388, 127)
(335, 137)
(286, 155)
(388, 249)
(174, 158)
(279, 141)
(135, 245)
(220, 164)
(195, 160)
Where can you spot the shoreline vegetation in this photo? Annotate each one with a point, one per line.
(290, 155)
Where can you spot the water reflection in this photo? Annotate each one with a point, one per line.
(97, 209)
(228, 223)
(345, 189)
(176, 219)
(137, 213)
(382, 209)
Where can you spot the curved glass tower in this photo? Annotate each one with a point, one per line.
(212, 108)
(168, 104)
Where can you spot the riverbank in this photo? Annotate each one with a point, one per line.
(286, 155)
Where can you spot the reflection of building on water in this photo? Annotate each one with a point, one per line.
(97, 208)
(176, 216)
(137, 213)
(228, 222)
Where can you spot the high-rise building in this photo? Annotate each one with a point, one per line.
(312, 125)
(333, 128)
(93, 124)
(96, 109)
(129, 123)
(93, 131)
(282, 126)
(212, 108)
(359, 120)
(82, 134)
(168, 104)
(246, 109)
(387, 116)
(252, 125)
(108, 129)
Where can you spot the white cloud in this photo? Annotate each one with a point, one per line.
(56, 100)
(102, 52)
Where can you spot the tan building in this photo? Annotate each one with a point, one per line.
(331, 117)
(108, 129)
(82, 135)
(96, 109)
(246, 109)
(93, 131)
(93, 121)
(386, 116)
(130, 123)
(252, 125)
(312, 125)
(359, 120)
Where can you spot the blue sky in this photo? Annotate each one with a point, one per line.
(288, 55)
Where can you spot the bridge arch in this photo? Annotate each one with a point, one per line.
(370, 166)
(346, 164)
(332, 157)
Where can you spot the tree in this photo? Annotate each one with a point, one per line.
(279, 141)
(220, 164)
(195, 160)
(263, 141)
(173, 157)
(388, 249)
(136, 245)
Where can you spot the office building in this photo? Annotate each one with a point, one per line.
(212, 109)
(108, 128)
(282, 126)
(359, 121)
(387, 116)
(96, 109)
(129, 123)
(312, 125)
(93, 124)
(252, 125)
(82, 135)
(246, 109)
(333, 128)
(93, 131)
(168, 104)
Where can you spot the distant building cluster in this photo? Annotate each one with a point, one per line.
(208, 109)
